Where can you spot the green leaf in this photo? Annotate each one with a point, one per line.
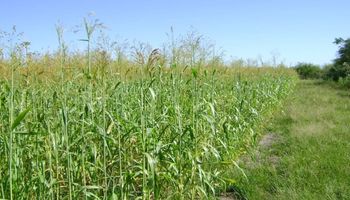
(19, 118)
(151, 161)
(230, 181)
(153, 94)
(116, 85)
(194, 73)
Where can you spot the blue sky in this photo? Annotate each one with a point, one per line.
(292, 30)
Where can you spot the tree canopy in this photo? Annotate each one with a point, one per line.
(341, 66)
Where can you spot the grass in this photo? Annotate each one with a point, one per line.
(309, 156)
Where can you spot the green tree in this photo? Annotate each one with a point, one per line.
(341, 67)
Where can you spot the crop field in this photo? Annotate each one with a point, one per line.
(174, 100)
(157, 124)
(143, 131)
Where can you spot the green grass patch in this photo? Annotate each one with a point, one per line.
(312, 148)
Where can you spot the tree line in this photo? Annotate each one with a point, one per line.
(338, 70)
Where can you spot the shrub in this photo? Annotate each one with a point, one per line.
(308, 71)
(345, 82)
(335, 72)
